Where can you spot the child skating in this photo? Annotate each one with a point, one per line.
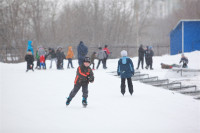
(84, 75)
(125, 69)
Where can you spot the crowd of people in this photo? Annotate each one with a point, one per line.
(58, 56)
(146, 53)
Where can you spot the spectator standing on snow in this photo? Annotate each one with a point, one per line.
(184, 60)
(141, 53)
(149, 57)
(70, 55)
(101, 55)
(60, 57)
(42, 62)
(52, 54)
(84, 75)
(29, 58)
(126, 70)
(42, 55)
(93, 57)
(107, 51)
(145, 55)
(82, 52)
(38, 59)
(63, 57)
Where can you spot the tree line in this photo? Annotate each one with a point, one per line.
(95, 22)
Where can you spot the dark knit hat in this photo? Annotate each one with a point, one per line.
(87, 59)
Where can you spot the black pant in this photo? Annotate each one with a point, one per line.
(70, 62)
(149, 62)
(38, 63)
(103, 62)
(76, 89)
(59, 64)
(146, 61)
(29, 67)
(142, 61)
(123, 86)
(93, 65)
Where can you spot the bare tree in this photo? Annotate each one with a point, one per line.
(118, 23)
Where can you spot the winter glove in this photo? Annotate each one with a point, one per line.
(90, 79)
(132, 73)
(118, 73)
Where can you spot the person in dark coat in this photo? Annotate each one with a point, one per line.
(126, 70)
(84, 75)
(166, 66)
(145, 55)
(38, 59)
(184, 60)
(52, 54)
(63, 57)
(29, 59)
(141, 52)
(82, 51)
(93, 57)
(60, 57)
(149, 57)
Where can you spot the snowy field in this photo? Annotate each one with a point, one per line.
(34, 102)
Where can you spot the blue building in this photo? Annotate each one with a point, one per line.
(185, 37)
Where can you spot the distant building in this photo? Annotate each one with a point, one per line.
(185, 37)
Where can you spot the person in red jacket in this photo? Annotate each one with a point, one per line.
(42, 61)
(84, 75)
(107, 51)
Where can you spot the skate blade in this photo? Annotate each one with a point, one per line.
(84, 105)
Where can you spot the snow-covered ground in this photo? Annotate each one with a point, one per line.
(34, 102)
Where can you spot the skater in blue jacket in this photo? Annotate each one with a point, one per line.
(126, 70)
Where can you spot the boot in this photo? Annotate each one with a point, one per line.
(68, 101)
(84, 102)
(131, 90)
(123, 89)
